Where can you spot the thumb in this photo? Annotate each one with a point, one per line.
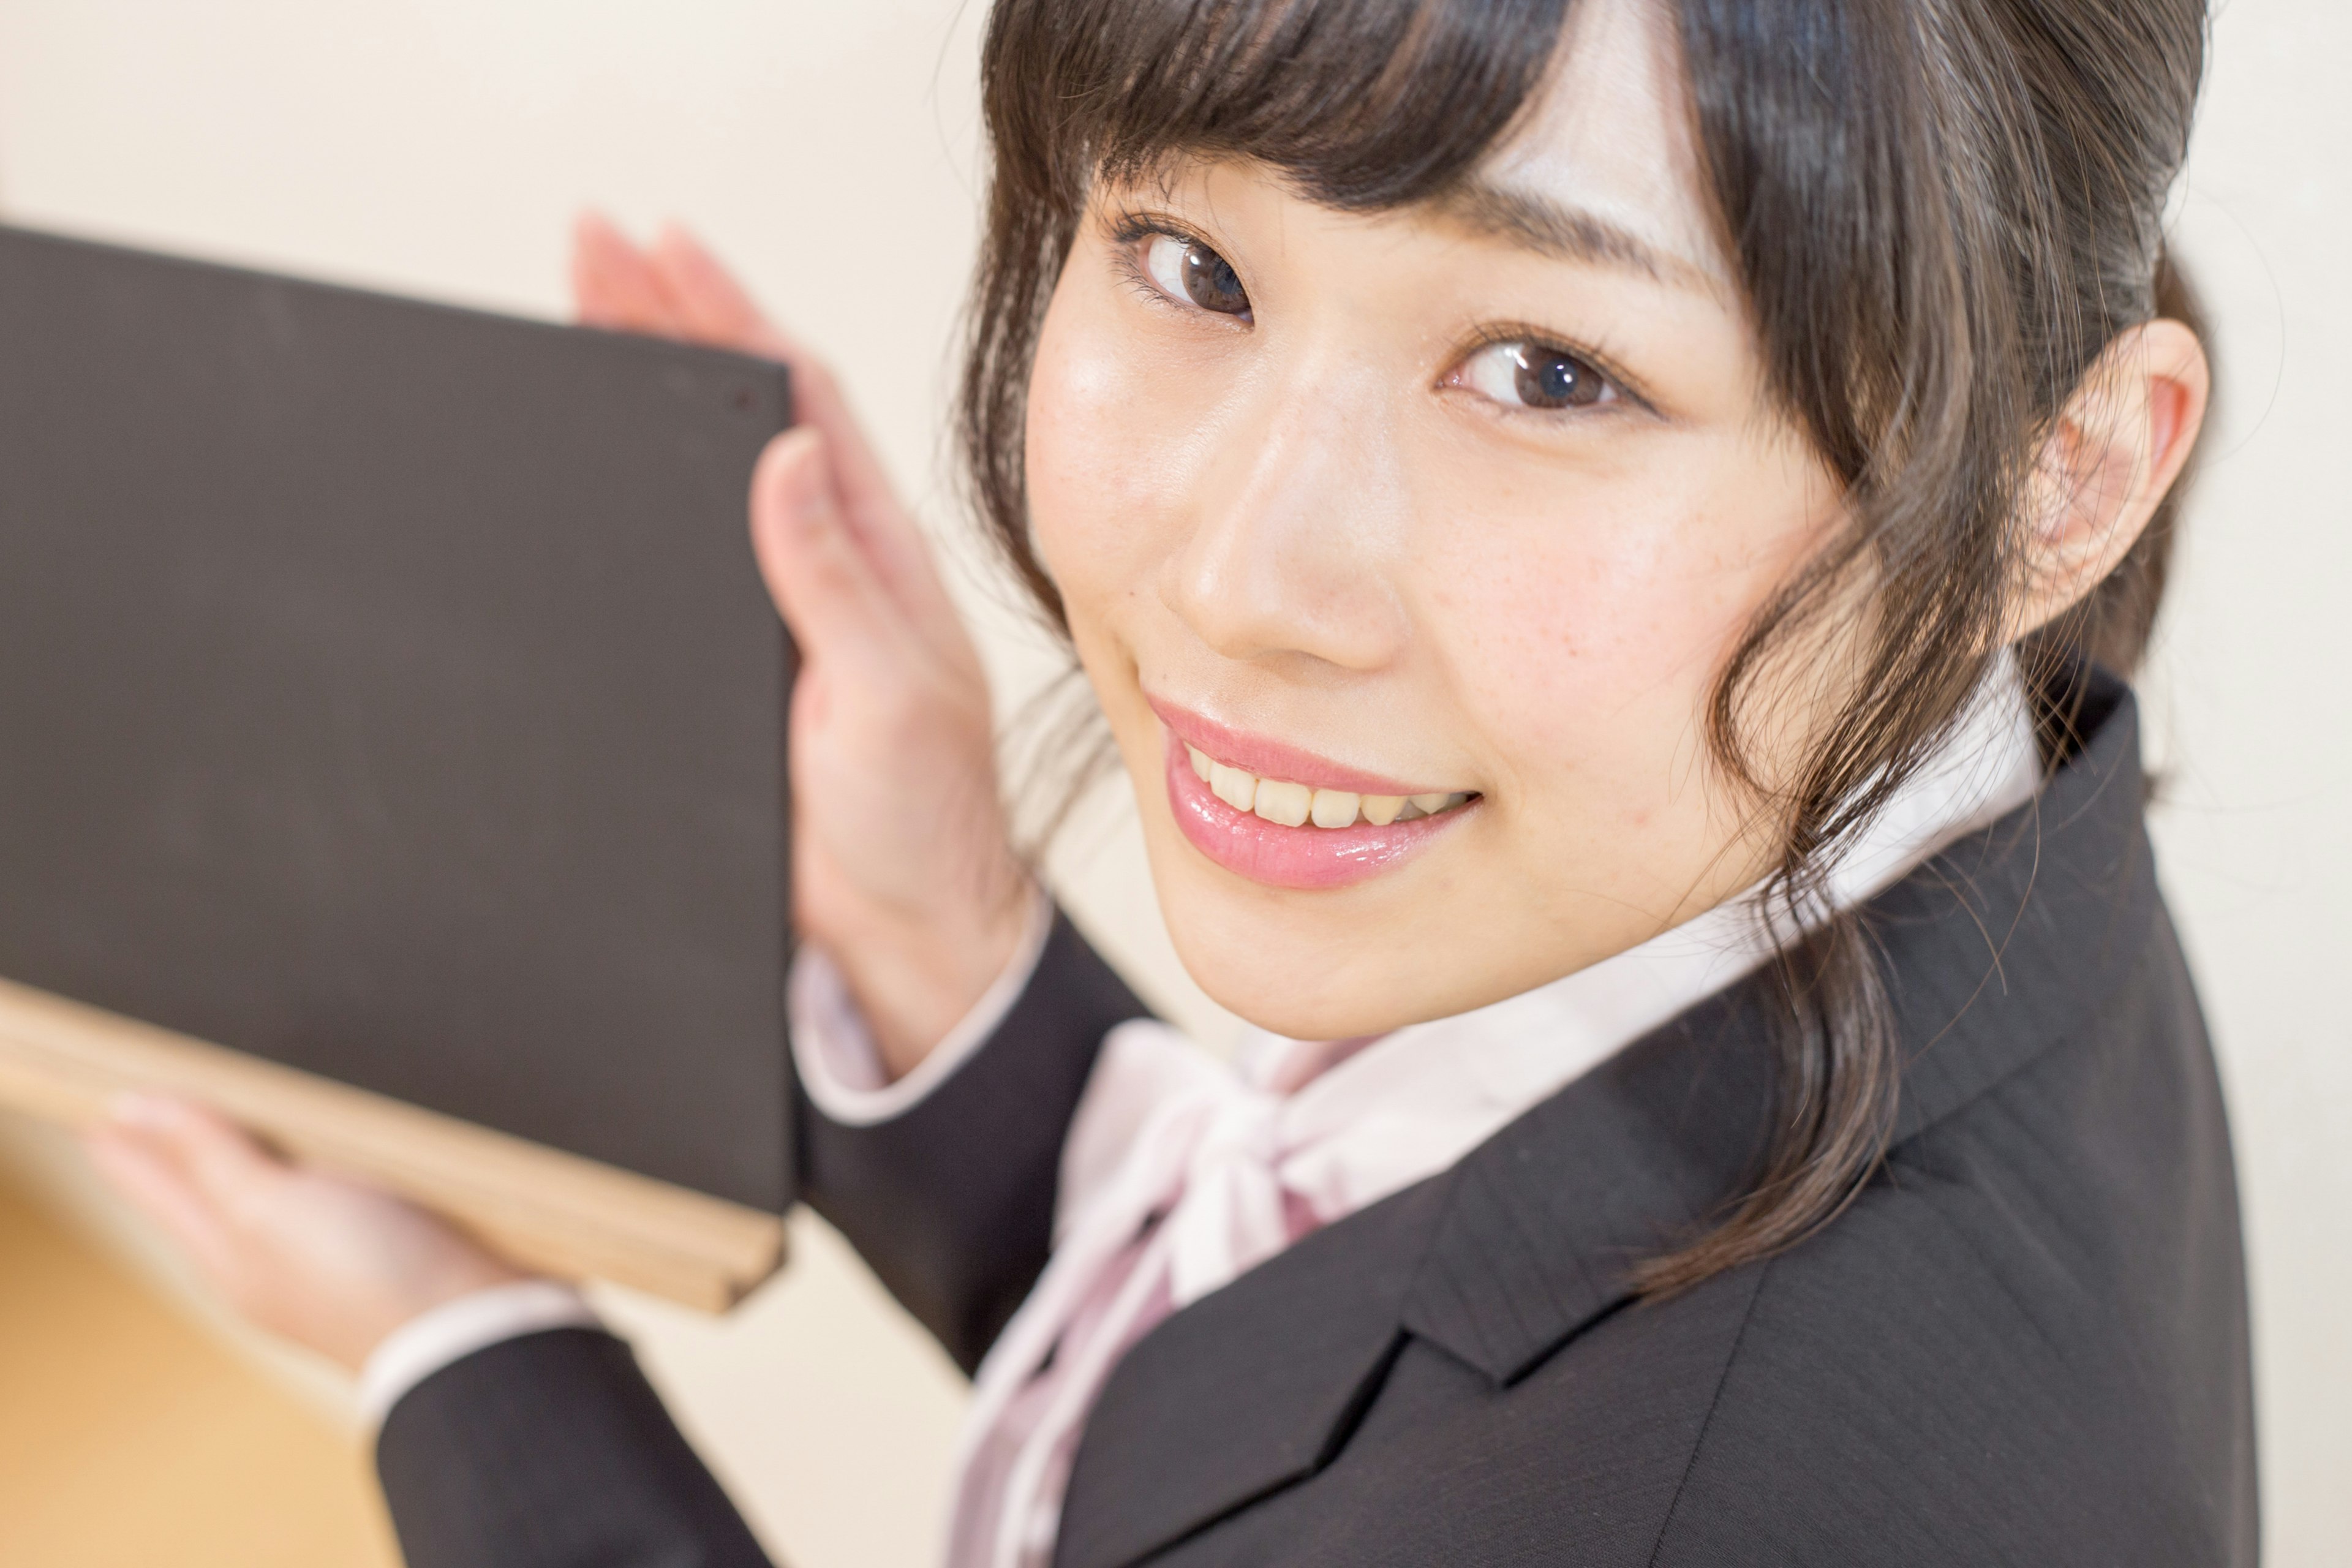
(822, 583)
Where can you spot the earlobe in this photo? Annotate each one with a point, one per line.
(2115, 452)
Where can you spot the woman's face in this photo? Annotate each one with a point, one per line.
(1468, 504)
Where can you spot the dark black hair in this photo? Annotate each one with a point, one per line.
(1939, 213)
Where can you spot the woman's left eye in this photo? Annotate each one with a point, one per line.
(1529, 374)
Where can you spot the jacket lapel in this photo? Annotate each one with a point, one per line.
(1994, 949)
(1246, 1391)
(1543, 1222)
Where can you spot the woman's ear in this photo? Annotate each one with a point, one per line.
(2117, 447)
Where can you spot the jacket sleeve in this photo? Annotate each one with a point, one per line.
(552, 1450)
(951, 1202)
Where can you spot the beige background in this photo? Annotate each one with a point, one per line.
(439, 147)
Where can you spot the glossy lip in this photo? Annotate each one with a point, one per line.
(1273, 760)
(1249, 846)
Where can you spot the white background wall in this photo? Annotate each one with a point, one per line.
(440, 146)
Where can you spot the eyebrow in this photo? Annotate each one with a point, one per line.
(1569, 233)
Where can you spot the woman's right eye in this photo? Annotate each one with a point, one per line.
(1186, 269)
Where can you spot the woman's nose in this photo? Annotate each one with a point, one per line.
(1296, 519)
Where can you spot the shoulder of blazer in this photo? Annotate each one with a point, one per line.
(1996, 948)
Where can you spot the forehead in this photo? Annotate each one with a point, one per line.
(1609, 137)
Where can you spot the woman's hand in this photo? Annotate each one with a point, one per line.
(324, 1262)
(902, 867)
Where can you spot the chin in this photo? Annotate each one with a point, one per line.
(1263, 984)
(1296, 964)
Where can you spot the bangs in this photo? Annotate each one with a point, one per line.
(1363, 106)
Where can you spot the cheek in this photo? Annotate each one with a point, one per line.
(1591, 632)
(1095, 458)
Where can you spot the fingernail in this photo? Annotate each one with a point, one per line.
(808, 487)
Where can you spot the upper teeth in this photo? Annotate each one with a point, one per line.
(1294, 804)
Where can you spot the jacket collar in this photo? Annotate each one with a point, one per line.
(1994, 949)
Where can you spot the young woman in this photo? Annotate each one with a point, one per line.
(1602, 533)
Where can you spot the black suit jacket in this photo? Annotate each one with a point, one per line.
(2025, 1341)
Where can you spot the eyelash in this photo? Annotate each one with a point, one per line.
(1630, 394)
(1130, 228)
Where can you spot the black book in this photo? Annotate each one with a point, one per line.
(387, 689)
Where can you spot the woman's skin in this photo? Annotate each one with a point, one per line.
(1470, 501)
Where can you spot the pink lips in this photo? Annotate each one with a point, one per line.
(1249, 846)
(1272, 759)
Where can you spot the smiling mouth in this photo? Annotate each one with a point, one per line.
(1287, 804)
(1282, 833)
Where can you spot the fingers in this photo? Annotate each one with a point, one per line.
(224, 1161)
(329, 1263)
(675, 287)
(158, 1188)
(188, 1170)
(718, 310)
(615, 286)
(715, 307)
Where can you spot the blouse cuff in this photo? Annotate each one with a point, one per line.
(841, 1067)
(454, 1329)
